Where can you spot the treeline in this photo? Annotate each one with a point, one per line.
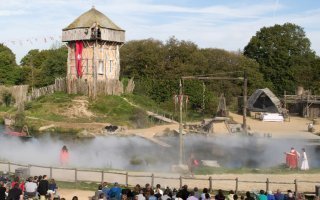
(278, 57)
(157, 68)
(37, 68)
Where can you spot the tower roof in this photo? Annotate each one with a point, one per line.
(87, 19)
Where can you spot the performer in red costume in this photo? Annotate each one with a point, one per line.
(64, 155)
(292, 158)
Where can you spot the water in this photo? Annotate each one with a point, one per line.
(135, 153)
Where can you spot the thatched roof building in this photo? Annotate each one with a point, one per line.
(84, 26)
(263, 100)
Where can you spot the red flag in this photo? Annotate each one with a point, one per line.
(79, 47)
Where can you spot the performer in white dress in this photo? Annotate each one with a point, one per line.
(304, 164)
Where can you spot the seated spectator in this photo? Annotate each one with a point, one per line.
(235, 197)
(220, 195)
(261, 195)
(207, 196)
(230, 195)
(98, 192)
(140, 196)
(105, 189)
(52, 188)
(15, 193)
(204, 192)
(184, 192)
(270, 195)
(43, 187)
(115, 192)
(3, 191)
(74, 198)
(278, 195)
(196, 192)
(152, 196)
(158, 192)
(31, 188)
(191, 196)
(248, 196)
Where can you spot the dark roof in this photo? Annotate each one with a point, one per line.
(87, 19)
(263, 100)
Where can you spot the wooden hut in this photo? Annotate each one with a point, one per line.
(93, 42)
(263, 100)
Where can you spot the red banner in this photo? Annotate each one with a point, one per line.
(78, 55)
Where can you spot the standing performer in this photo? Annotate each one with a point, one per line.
(64, 155)
(292, 158)
(305, 163)
(193, 163)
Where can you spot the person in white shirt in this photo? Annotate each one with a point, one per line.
(305, 163)
(31, 188)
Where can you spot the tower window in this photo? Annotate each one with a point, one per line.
(100, 67)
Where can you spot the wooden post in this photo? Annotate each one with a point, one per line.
(296, 186)
(9, 167)
(210, 184)
(180, 124)
(237, 184)
(245, 81)
(180, 178)
(50, 172)
(267, 185)
(152, 180)
(102, 176)
(75, 175)
(127, 179)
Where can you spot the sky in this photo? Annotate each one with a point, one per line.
(223, 24)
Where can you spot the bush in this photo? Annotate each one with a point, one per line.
(7, 98)
(139, 118)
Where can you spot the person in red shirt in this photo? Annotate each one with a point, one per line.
(64, 155)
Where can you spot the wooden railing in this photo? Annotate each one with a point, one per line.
(61, 174)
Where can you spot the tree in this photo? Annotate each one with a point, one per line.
(8, 66)
(283, 52)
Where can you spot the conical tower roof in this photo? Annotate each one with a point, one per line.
(87, 19)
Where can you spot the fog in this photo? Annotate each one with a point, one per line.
(135, 153)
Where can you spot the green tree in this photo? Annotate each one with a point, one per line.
(283, 52)
(8, 66)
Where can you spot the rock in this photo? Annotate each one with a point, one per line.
(42, 128)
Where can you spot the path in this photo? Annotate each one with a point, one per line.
(152, 114)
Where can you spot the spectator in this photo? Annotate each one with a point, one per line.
(261, 195)
(220, 195)
(278, 195)
(196, 192)
(235, 197)
(74, 198)
(31, 188)
(98, 192)
(289, 196)
(147, 190)
(3, 191)
(152, 196)
(140, 196)
(43, 187)
(52, 188)
(207, 196)
(204, 192)
(248, 196)
(158, 192)
(184, 192)
(230, 195)
(15, 193)
(136, 190)
(270, 195)
(191, 196)
(166, 195)
(115, 192)
(15, 180)
(105, 189)
(102, 197)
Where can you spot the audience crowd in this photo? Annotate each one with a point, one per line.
(39, 187)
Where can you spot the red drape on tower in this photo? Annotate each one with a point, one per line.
(78, 55)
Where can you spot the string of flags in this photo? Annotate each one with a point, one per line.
(31, 41)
